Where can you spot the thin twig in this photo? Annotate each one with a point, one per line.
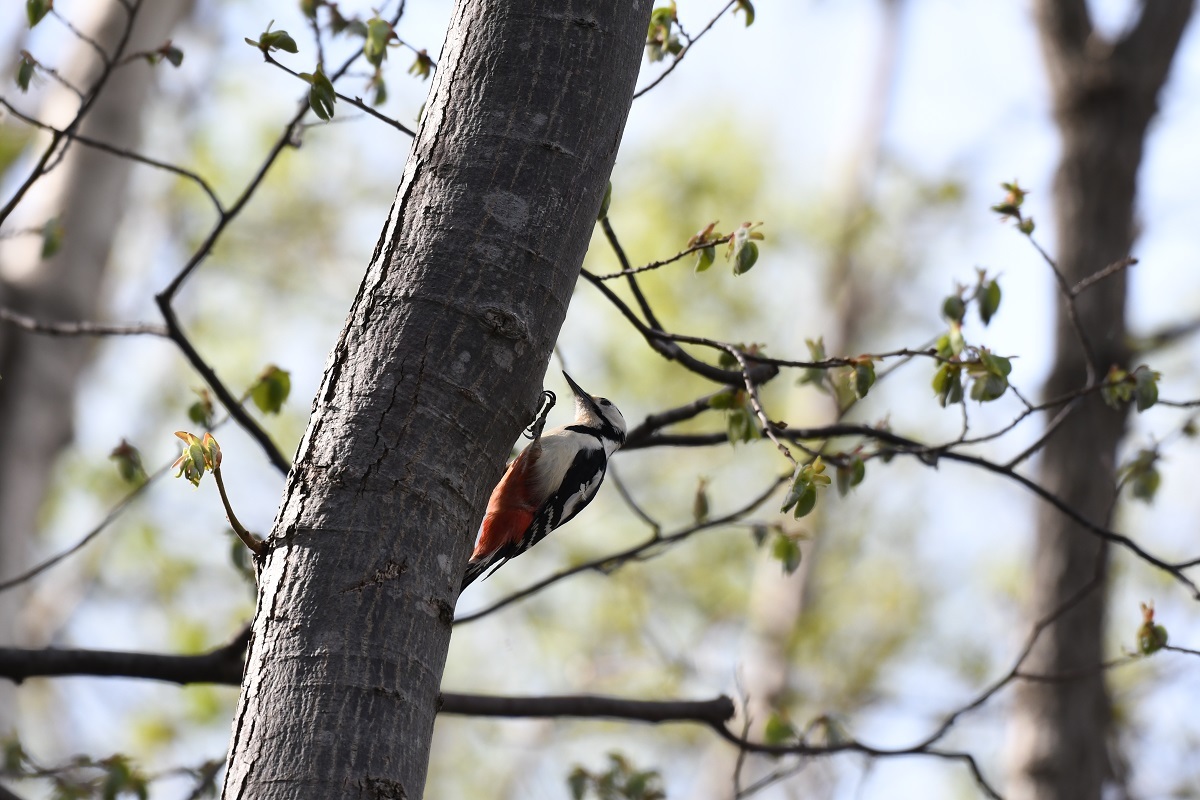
(108, 519)
(120, 152)
(354, 101)
(638, 511)
(1068, 297)
(43, 163)
(253, 544)
(83, 37)
(1096, 277)
(691, 43)
(628, 272)
(77, 328)
(653, 265)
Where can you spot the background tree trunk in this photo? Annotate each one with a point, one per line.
(1105, 94)
(434, 376)
(37, 392)
(777, 599)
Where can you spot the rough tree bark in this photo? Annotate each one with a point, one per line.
(37, 392)
(435, 374)
(1105, 94)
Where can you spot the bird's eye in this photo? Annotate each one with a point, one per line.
(604, 402)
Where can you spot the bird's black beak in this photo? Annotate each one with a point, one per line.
(581, 394)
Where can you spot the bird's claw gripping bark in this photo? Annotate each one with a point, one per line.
(534, 431)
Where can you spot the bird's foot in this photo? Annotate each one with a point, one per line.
(534, 431)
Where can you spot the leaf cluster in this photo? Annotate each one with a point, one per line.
(621, 781)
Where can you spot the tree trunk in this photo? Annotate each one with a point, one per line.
(1105, 94)
(434, 376)
(39, 374)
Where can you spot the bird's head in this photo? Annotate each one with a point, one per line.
(597, 412)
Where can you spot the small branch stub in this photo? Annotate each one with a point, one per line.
(201, 454)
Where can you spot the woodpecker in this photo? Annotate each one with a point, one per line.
(549, 482)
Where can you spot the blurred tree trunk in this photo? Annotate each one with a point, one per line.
(1105, 94)
(777, 599)
(85, 191)
(434, 376)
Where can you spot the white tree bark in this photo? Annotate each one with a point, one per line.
(435, 374)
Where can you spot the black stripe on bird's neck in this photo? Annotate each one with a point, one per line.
(600, 432)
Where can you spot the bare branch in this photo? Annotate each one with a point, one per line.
(120, 152)
(691, 43)
(223, 665)
(354, 101)
(1107, 272)
(653, 265)
(43, 164)
(638, 511)
(655, 422)
(714, 712)
(629, 273)
(232, 404)
(99, 528)
(665, 344)
(254, 545)
(57, 328)
(88, 40)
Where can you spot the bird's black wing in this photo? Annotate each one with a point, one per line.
(578, 487)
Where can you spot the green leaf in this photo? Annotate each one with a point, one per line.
(759, 534)
(850, 474)
(321, 96)
(996, 365)
(25, 72)
(947, 384)
(988, 298)
(190, 464)
(1145, 391)
(742, 249)
(787, 552)
(423, 66)
(36, 10)
(700, 502)
(705, 258)
(276, 40)
(577, 781)
(172, 54)
(864, 377)
(806, 502)
(201, 412)
(1146, 483)
(604, 203)
(1151, 637)
(746, 257)
(379, 33)
(381, 94)
(778, 730)
(739, 426)
(725, 400)
(309, 8)
(53, 233)
(272, 389)
(988, 387)
(129, 463)
(954, 308)
(1117, 389)
(748, 7)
